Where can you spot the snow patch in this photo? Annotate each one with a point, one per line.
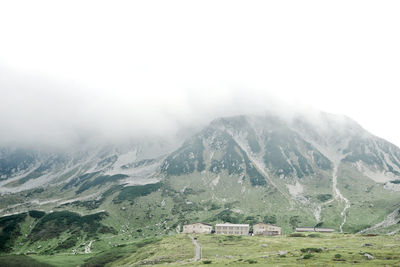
(295, 190)
(392, 187)
(139, 181)
(215, 181)
(317, 213)
(88, 247)
(377, 176)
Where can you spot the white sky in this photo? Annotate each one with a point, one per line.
(113, 63)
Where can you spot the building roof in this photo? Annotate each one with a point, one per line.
(267, 224)
(232, 224)
(315, 229)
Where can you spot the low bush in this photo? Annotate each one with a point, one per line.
(37, 214)
(68, 243)
(311, 250)
(21, 260)
(338, 257)
(314, 235)
(10, 229)
(296, 235)
(130, 193)
(324, 197)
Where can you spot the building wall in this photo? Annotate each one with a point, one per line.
(311, 229)
(197, 228)
(304, 229)
(232, 229)
(266, 229)
(324, 230)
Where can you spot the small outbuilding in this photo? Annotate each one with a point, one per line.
(197, 228)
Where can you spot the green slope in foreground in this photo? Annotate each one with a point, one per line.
(220, 250)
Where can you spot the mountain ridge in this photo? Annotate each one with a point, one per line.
(247, 168)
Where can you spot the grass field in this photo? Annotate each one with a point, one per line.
(226, 250)
(314, 250)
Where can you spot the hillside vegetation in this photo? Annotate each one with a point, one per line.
(219, 250)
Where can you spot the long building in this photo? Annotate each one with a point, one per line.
(232, 229)
(314, 229)
(197, 228)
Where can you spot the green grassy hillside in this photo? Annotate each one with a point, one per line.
(220, 250)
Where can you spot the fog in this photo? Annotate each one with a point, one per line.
(110, 71)
(48, 112)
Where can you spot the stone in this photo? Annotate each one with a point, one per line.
(282, 253)
(366, 245)
(369, 256)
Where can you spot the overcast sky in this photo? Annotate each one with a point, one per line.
(71, 68)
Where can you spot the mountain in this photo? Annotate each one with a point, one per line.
(292, 171)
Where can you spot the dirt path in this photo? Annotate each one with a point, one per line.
(197, 256)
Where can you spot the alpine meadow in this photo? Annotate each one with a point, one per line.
(199, 133)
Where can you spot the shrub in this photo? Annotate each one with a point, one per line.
(324, 197)
(68, 243)
(227, 215)
(9, 230)
(270, 219)
(338, 257)
(314, 235)
(37, 214)
(54, 224)
(311, 250)
(21, 260)
(307, 256)
(251, 261)
(130, 193)
(207, 261)
(297, 235)
(294, 221)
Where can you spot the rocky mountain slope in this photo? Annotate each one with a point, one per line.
(296, 171)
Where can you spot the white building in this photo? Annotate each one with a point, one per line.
(266, 229)
(197, 228)
(314, 229)
(232, 229)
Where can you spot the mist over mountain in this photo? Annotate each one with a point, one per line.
(121, 122)
(42, 112)
(296, 159)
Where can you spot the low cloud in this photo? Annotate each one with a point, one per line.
(40, 111)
